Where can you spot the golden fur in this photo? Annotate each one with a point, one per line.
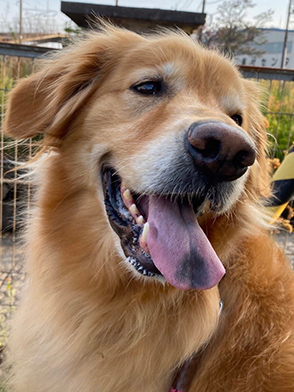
(86, 322)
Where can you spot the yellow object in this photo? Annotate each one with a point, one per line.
(276, 211)
(282, 186)
(286, 170)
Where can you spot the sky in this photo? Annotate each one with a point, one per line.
(48, 11)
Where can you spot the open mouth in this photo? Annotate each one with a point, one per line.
(160, 236)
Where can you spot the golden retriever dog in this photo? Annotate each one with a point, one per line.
(147, 217)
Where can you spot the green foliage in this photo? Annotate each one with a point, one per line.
(72, 31)
(279, 111)
(13, 34)
(6, 311)
(11, 69)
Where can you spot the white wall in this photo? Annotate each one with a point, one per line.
(273, 51)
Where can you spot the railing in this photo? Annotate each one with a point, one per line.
(17, 61)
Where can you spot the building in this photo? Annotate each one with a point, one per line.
(137, 19)
(273, 49)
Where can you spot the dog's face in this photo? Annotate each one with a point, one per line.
(167, 131)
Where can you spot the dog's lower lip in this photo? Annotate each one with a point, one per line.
(124, 224)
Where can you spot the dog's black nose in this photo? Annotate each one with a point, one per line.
(223, 152)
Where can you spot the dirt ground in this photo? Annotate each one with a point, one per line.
(286, 242)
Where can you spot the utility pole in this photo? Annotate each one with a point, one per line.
(200, 30)
(20, 21)
(203, 6)
(284, 53)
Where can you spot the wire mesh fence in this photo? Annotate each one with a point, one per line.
(16, 191)
(278, 105)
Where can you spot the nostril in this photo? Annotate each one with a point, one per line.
(239, 160)
(207, 147)
(243, 159)
(212, 148)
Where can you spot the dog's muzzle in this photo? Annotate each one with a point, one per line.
(159, 231)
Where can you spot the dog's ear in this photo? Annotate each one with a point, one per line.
(260, 172)
(48, 100)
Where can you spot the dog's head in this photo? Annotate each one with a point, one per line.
(169, 130)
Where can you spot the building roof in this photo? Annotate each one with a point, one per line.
(138, 19)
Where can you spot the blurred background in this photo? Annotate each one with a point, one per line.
(258, 37)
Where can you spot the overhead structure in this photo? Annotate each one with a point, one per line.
(137, 19)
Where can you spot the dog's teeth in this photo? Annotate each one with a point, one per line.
(127, 195)
(139, 267)
(134, 210)
(134, 262)
(145, 232)
(140, 220)
(146, 254)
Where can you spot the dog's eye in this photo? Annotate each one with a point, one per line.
(238, 119)
(148, 87)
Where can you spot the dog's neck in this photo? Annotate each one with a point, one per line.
(188, 371)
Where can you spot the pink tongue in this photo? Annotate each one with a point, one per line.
(179, 248)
